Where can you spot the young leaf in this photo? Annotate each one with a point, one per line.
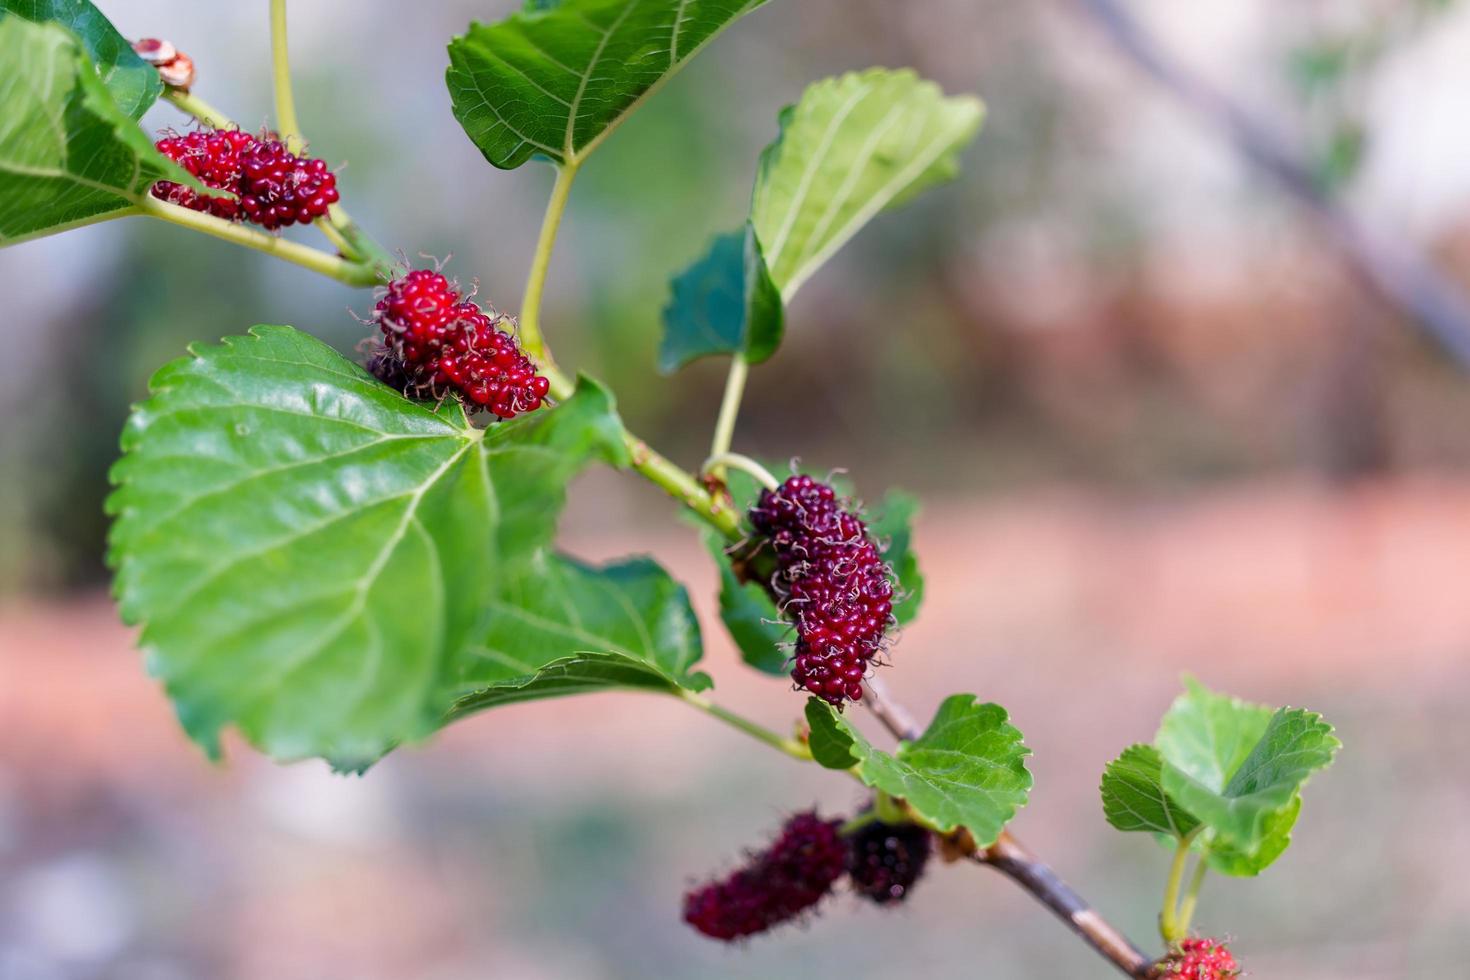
(307, 550)
(133, 82)
(1134, 798)
(725, 303)
(563, 627)
(68, 154)
(750, 617)
(556, 78)
(967, 770)
(893, 523)
(851, 147)
(1275, 839)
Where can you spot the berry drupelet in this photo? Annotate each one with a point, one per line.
(1198, 959)
(437, 343)
(884, 860)
(275, 187)
(778, 884)
(832, 583)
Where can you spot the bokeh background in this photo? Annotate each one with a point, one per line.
(1157, 425)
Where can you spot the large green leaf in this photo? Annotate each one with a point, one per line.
(133, 82)
(967, 770)
(563, 627)
(1134, 798)
(725, 302)
(68, 154)
(556, 78)
(308, 551)
(852, 146)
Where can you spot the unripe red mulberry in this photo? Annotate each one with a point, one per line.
(1198, 959)
(436, 343)
(211, 156)
(884, 860)
(833, 583)
(778, 884)
(274, 186)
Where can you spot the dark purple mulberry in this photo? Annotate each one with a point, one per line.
(884, 860)
(833, 583)
(776, 885)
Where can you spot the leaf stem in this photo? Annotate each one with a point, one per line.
(729, 412)
(716, 465)
(335, 267)
(199, 109)
(683, 487)
(286, 123)
(1170, 926)
(531, 338)
(790, 746)
(1191, 896)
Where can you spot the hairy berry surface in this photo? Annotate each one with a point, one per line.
(211, 156)
(1199, 959)
(437, 343)
(833, 583)
(778, 884)
(884, 860)
(275, 187)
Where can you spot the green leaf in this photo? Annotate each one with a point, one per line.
(562, 627)
(68, 154)
(555, 79)
(725, 303)
(133, 82)
(308, 551)
(1134, 798)
(750, 617)
(852, 146)
(893, 523)
(1275, 839)
(967, 770)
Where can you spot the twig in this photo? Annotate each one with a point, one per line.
(1008, 856)
(1392, 269)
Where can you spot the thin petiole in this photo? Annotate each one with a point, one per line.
(1170, 926)
(531, 338)
(789, 746)
(199, 109)
(729, 411)
(286, 123)
(717, 463)
(1191, 897)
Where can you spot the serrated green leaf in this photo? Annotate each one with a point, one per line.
(133, 82)
(750, 617)
(1275, 839)
(967, 770)
(893, 524)
(832, 745)
(1207, 735)
(555, 79)
(852, 146)
(68, 154)
(307, 550)
(725, 303)
(562, 627)
(1134, 798)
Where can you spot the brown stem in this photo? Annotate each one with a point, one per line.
(1010, 858)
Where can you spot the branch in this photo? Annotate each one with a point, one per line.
(1008, 856)
(1387, 266)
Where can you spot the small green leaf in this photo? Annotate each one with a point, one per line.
(133, 82)
(1275, 839)
(832, 744)
(1134, 798)
(893, 524)
(68, 154)
(562, 627)
(555, 79)
(967, 770)
(725, 303)
(852, 146)
(750, 617)
(308, 551)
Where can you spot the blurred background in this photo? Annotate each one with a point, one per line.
(1158, 425)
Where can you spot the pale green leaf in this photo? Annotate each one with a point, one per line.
(1134, 798)
(852, 146)
(1275, 839)
(967, 770)
(133, 82)
(307, 551)
(555, 79)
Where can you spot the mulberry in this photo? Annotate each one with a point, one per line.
(884, 860)
(1198, 959)
(273, 187)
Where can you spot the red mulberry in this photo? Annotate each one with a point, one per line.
(884, 860)
(833, 583)
(213, 157)
(274, 187)
(436, 343)
(1198, 959)
(796, 872)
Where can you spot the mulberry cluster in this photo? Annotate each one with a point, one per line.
(436, 342)
(1198, 959)
(796, 872)
(884, 860)
(273, 187)
(833, 583)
